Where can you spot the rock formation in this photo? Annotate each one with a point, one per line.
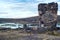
(48, 14)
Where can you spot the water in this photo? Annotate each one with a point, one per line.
(57, 25)
(11, 25)
(14, 25)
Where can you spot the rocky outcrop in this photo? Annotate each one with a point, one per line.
(48, 14)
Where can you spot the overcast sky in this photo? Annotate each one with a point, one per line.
(22, 8)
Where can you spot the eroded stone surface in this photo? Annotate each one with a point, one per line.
(48, 14)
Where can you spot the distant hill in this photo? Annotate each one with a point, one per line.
(24, 20)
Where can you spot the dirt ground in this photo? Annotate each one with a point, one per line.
(17, 35)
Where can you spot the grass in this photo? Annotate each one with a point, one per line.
(54, 33)
(15, 34)
(12, 35)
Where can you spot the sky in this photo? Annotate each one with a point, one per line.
(22, 8)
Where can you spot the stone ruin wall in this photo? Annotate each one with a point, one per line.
(48, 14)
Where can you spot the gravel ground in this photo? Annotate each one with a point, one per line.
(31, 37)
(16, 35)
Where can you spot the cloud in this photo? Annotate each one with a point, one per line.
(17, 10)
(18, 14)
(47, 1)
(21, 8)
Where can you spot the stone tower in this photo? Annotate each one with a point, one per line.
(47, 14)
